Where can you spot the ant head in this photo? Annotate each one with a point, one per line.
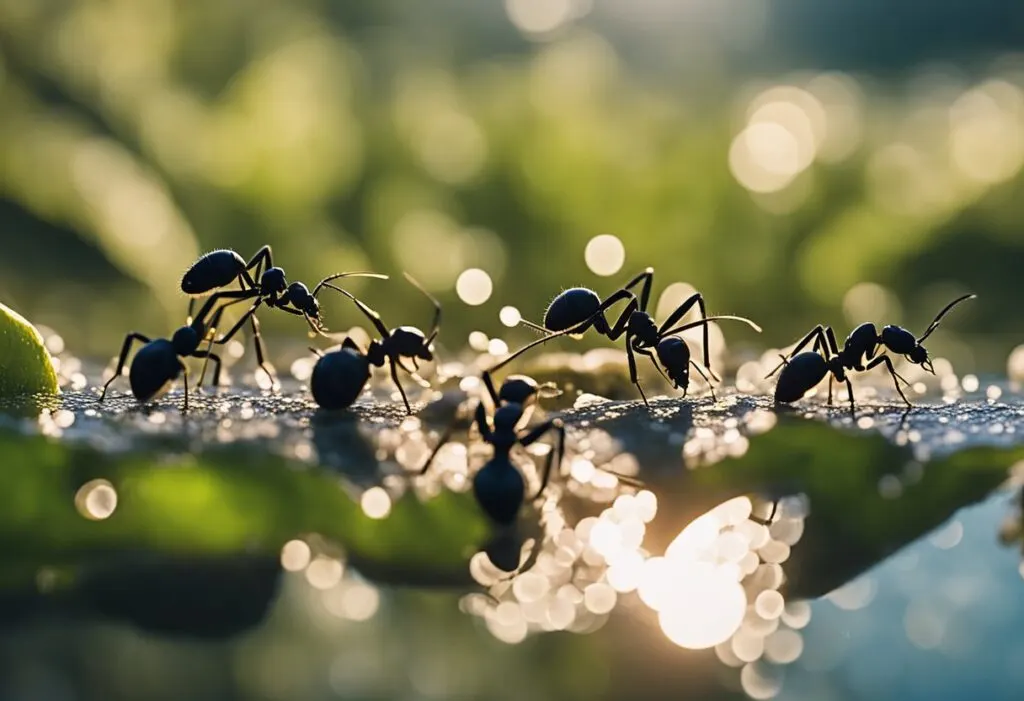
(272, 282)
(919, 356)
(507, 416)
(518, 389)
(299, 295)
(186, 339)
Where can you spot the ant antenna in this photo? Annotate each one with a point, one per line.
(336, 276)
(436, 326)
(720, 317)
(938, 317)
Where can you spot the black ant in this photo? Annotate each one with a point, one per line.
(266, 284)
(578, 309)
(804, 370)
(159, 362)
(643, 335)
(339, 378)
(498, 486)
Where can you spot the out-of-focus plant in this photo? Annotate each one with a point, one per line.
(134, 135)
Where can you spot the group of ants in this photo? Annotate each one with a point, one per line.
(340, 375)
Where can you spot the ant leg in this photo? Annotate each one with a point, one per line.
(184, 371)
(394, 378)
(257, 341)
(598, 320)
(622, 323)
(885, 360)
(532, 437)
(123, 357)
(216, 297)
(207, 356)
(649, 354)
(445, 437)
(191, 307)
(632, 371)
(701, 372)
(830, 380)
(436, 324)
(240, 323)
(211, 333)
(817, 334)
(263, 257)
(489, 385)
(647, 278)
(849, 390)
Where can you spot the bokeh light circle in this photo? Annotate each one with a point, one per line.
(605, 255)
(474, 286)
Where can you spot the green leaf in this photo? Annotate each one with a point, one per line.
(227, 501)
(25, 366)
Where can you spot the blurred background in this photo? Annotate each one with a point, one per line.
(797, 161)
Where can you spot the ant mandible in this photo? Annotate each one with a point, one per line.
(804, 370)
(339, 375)
(159, 362)
(578, 309)
(259, 280)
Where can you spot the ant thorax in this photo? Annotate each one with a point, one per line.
(273, 283)
(186, 339)
(375, 353)
(837, 367)
(642, 325)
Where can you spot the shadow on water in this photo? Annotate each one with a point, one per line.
(197, 543)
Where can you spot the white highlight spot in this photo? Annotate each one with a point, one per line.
(474, 286)
(605, 254)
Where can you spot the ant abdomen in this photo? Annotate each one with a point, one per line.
(500, 491)
(801, 373)
(214, 270)
(572, 308)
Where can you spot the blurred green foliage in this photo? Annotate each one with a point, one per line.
(135, 134)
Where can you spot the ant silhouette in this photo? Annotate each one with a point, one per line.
(339, 376)
(159, 362)
(498, 486)
(805, 370)
(336, 382)
(576, 310)
(260, 281)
